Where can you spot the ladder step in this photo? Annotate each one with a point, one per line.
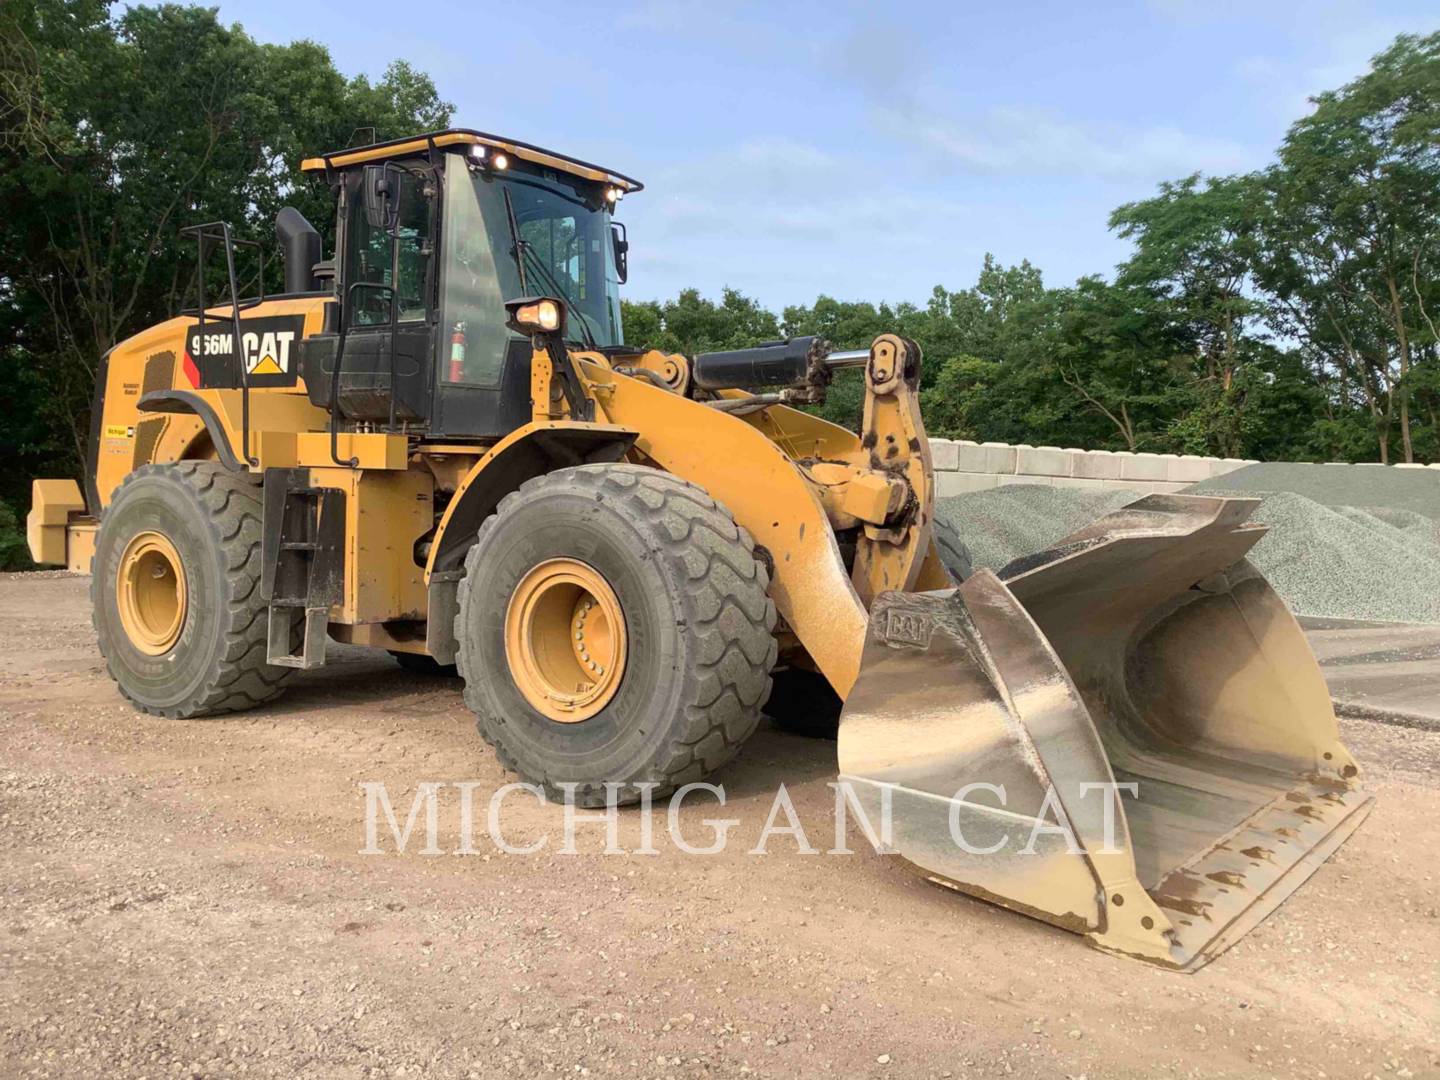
(299, 545)
(279, 643)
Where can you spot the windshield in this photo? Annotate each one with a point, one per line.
(565, 233)
(568, 251)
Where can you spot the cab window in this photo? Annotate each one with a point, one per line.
(400, 261)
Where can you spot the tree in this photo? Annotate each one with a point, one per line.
(115, 131)
(1124, 354)
(963, 392)
(1193, 257)
(1353, 245)
(691, 324)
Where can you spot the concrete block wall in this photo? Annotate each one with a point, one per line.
(969, 466)
(962, 466)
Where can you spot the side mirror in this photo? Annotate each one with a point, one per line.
(621, 243)
(382, 197)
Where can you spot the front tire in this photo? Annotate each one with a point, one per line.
(954, 552)
(176, 591)
(804, 703)
(614, 626)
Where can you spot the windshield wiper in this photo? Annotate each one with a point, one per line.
(517, 246)
(582, 320)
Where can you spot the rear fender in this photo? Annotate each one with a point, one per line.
(190, 402)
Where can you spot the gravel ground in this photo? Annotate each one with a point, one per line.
(187, 898)
(1336, 562)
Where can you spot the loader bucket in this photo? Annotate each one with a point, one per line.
(990, 724)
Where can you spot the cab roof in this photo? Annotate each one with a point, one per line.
(461, 137)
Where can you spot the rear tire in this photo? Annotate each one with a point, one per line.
(687, 610)
(420, 664)
(208, 519)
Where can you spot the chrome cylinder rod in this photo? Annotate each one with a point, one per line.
(847, 358)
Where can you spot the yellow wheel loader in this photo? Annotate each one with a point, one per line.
(438, 443)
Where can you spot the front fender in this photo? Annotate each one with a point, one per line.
(527, 452)
(759, 484)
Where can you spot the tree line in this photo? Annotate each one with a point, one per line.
(1288, 313)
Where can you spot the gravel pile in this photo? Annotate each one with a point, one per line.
(1371, 487)
(1350, 563)
(1339, 562)
(1006, 522)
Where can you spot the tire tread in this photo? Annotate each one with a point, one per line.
(241, 679)
(728, 612)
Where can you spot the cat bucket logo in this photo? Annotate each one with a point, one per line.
(269, 355)
(268, 347)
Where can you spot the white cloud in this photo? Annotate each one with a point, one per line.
(786, 187)
(783, 220)
(1014, 139)
(1031, 142)
(1337, 50)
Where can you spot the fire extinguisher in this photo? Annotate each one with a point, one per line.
(457, 354)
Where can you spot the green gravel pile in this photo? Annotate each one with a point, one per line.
(1343, 562)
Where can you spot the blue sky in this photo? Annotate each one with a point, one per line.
(868, 151)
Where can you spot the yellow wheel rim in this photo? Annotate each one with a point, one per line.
(150, 593)
(565, 640)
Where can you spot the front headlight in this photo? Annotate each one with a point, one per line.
(536, 315)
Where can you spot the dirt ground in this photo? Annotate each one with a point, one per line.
(189, 898)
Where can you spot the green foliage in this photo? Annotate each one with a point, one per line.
(1349, 241)
(691, 324)
(14, 555)
(955, 406)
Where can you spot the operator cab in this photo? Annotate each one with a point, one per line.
(434, 234)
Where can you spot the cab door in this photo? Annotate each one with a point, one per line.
(482, 386)
(389, 301)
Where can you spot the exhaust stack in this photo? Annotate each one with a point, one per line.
(300, 248)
